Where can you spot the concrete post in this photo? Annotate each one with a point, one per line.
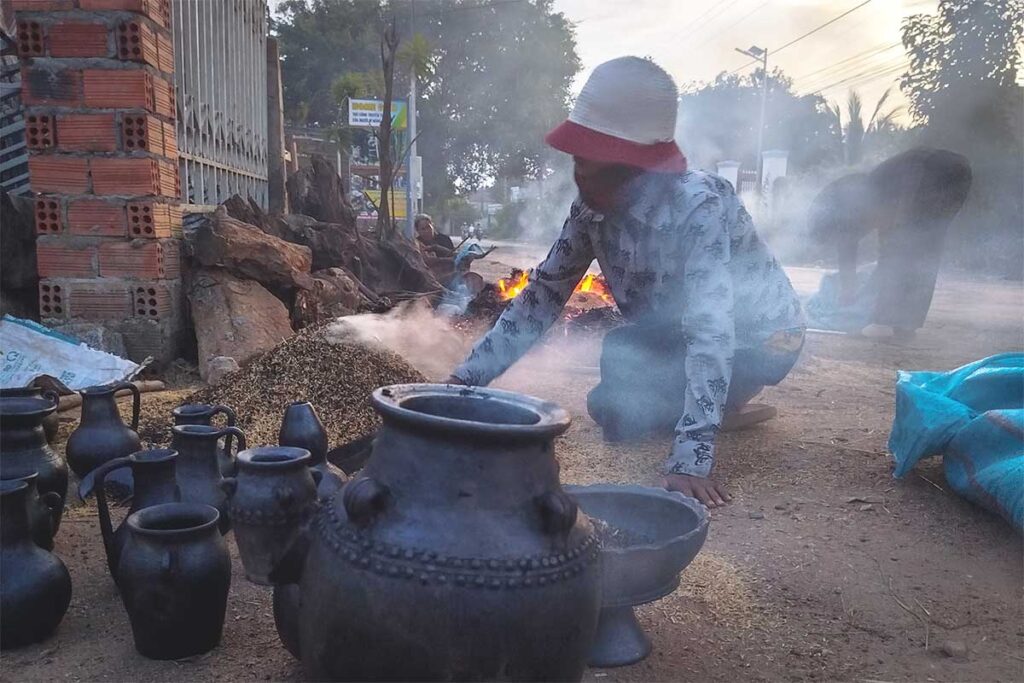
(277, 197)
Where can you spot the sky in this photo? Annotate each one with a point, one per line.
(696, 39)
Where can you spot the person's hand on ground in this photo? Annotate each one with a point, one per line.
(707, 491)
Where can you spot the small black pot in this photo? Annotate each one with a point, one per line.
(174, 576)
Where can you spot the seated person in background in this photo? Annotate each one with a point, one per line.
(431, 241)
(910, 199)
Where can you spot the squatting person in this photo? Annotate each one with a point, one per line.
(712, 317)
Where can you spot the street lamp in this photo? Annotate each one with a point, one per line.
(756, 52)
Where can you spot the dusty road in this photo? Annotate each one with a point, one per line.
(823, 568)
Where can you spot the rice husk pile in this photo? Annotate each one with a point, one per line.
(337, 377)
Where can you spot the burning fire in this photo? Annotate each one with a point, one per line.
(510, 287)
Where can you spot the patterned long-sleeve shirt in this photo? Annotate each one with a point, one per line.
(683, 248)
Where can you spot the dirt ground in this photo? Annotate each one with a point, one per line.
(824, 567)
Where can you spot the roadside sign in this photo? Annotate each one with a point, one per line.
(368, 113)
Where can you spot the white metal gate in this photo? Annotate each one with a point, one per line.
(220, 60)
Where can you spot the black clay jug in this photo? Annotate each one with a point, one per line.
(23, 446)
(44, 512)
(102, 435)
(51, 423)
(35, 587)
(203, 414)
(153, 473)
(198, 473)
(302, 428)
(174, 574)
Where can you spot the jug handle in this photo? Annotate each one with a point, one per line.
(53, 501)
(558, 512)
(136, 401)
(231, 418)
(364, 498)
(227, 432)
(106, 528)
(51, 395)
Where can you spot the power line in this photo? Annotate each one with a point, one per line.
(722, 9)
(854, 58)
(806, 35)
(865, 77)
(873, 62)
(735, 23)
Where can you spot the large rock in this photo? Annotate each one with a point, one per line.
(234, 318)
(248, 252)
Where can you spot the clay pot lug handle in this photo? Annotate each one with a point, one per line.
(227, 412)
(317, 475)
(136, 401)
(364, 498)
(558, 512)
(55, 503)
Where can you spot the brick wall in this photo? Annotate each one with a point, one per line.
(98, 85)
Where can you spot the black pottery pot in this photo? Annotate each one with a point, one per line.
(302, 428)
(51, 423)
(197, 469)
(102, 435)
(203, 414)
(174, 574)
(271, 499)
(154, 483)
(456, 555)
(23, 446)
(35, 587)
(44, 512)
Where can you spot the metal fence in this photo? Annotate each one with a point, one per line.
(13, 152)
(220, 59)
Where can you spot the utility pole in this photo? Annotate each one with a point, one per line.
(410, 176)
(762, 54)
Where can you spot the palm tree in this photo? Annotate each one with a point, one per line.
(857, 134)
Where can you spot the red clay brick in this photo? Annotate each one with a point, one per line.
(154, 300)
(41, 5)
(78, 39)
(126, 177)
(49, 215)
(51, 299)
(157, 10)
(169, 183)
(137, 42)
(146, 259)
(98, 301)
(30, 39)
(163, 97)
(118, 88)
(39, 131)
(58, 174)
(96, 218)
(61, 87)
(165, 52)
(87, 133)
(153, 220)
(57, 257)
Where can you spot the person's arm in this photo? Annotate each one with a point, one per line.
(530, 314)
(708, 326)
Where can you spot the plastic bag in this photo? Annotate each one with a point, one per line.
(974, 417)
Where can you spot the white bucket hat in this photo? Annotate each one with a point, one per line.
(626, 114)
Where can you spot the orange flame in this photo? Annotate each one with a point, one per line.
(510, 287)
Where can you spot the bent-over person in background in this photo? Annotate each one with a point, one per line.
(910, 199)
(712, 317)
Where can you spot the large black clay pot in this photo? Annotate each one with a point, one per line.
(23, 446)
(456, 555)
(271, 499)
(203, 414)
(154, 483)
(51, 423)
(198, 472)
(174, 574)
(44, 512)
(102, 435)
(35, 587)
(301, 428)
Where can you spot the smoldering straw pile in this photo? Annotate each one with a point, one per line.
(336, 377)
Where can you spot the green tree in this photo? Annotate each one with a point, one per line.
(963, 92)
(857, 138)
(493, 77)
(719, 120)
